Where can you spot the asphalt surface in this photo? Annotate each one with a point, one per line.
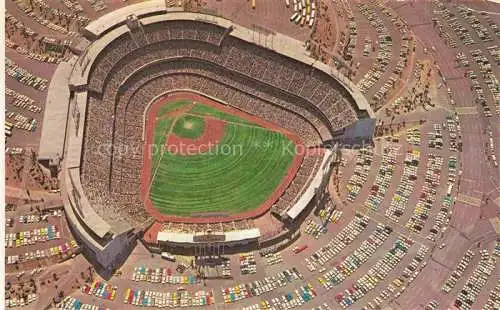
(470, 224)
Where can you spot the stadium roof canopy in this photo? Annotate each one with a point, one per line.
(56, 115)
(231, 236)
(362, 129)
(295, 211)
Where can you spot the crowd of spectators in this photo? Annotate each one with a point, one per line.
(299, 184)
(310, 86)
(208, 227)
(257, 81)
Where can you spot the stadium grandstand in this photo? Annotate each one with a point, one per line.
(136, 55)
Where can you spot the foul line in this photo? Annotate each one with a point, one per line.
(159, 161)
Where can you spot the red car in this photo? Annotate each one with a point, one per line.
(297, 250)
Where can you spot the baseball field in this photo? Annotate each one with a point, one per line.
(210, 161)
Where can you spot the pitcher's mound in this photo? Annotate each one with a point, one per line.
(188, 125)
(211, 137)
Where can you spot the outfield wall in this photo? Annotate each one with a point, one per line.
(253, 213)
(108, 241)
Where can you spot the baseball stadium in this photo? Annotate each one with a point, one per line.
(183, 125)
(251, 154)
(206, 161)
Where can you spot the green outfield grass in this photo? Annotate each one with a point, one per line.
(207, 110)
(160, 137)
(237, 176)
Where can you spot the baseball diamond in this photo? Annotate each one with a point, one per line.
(252, 155)
(209, 161)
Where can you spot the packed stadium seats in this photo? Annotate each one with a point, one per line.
(130, 73)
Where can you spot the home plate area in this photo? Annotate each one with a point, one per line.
(214, 161)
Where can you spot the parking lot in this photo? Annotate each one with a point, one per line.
(39, 248)
(411, 228)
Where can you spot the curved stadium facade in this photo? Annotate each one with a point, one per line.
(143, 52)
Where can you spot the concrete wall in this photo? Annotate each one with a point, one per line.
(108, 249)
(105, 258)
(278, 42)
(55, 116)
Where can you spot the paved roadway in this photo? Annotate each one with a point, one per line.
(466, 229)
